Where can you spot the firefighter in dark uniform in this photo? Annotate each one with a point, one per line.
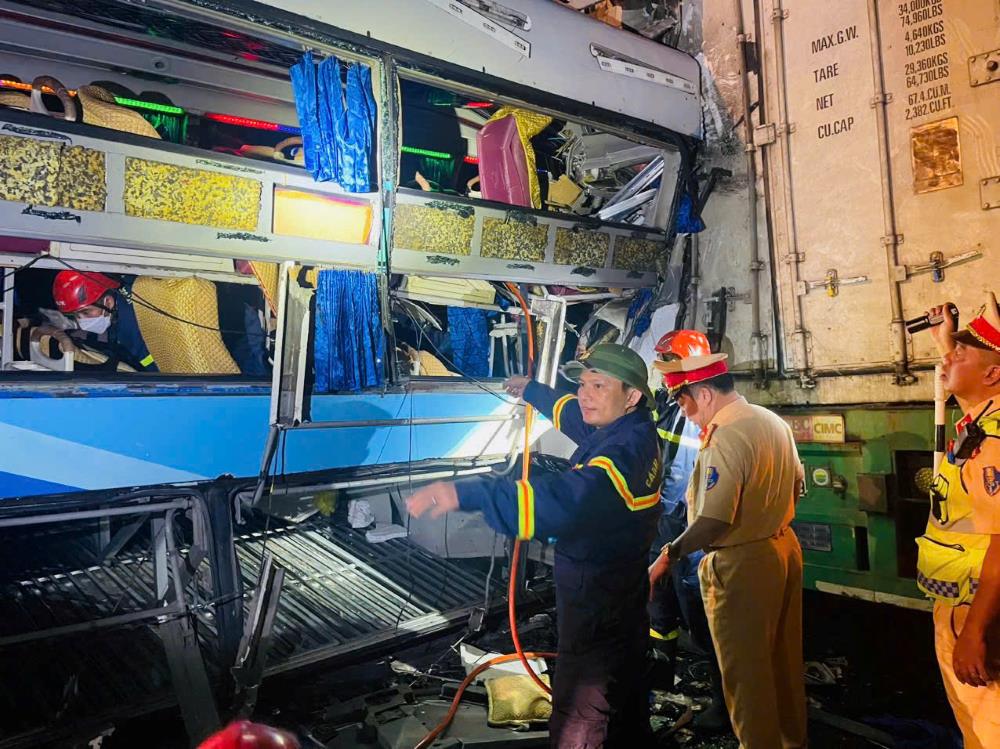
(603, 514)
(103, 319)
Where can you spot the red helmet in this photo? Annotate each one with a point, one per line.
(242, 734)
(684, 343)
(74, 290)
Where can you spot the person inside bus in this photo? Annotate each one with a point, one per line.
(91, 312)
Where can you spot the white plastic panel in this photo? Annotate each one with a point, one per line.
(76, 253)
(647, 80)
(113, 228)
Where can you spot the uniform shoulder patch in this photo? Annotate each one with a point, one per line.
(711, 477)
(991, 480)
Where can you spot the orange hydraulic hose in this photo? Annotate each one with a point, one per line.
(519, 655)
(529, 417)
(439, 729)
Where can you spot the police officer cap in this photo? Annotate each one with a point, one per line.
(983, 331)
(691, 370)
(613, 360)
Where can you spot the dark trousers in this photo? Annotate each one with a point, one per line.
(678, 601)
(599, 696)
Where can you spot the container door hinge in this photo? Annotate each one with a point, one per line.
(984, 68)
(989, 192)
(729, 296)
(831, 282)
(764, 135)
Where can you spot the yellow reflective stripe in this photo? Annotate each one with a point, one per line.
(672, 635)
(621, 485)
(147, 360)
(558, 407)
(525, 511)
(678, 439)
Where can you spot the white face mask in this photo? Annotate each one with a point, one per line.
(96, 325)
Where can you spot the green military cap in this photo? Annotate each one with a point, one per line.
(616, 361)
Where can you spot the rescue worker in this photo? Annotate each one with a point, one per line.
(678, 599)
(959, 555)
(94, 313)
(603, 514)
(741, 502)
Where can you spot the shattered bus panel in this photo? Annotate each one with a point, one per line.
(161, 147)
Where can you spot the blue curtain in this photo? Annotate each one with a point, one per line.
(687, 221)
(336, 133)
(470, 341)
(349, 342)
(640, 306)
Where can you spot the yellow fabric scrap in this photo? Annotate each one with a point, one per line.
(516, 700)
(267, 276)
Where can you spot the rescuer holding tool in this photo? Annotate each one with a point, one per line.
(741, 503)
(959, 554)
(603, 513)
(678, 597)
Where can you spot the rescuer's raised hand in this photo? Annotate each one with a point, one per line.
(515, 385)
(942, 333)
(439, 498)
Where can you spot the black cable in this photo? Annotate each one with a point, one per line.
(388, 432)
(429, 671)
(447, 360)
(18, 269)
(447, 565)
(160, 311)
(134, 297)
(489, 574)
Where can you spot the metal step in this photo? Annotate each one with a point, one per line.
(342, 596)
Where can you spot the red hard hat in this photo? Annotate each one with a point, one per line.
(242, 734)
(73, 290)
(684, 343)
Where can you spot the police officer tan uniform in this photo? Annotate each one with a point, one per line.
(959, 554)
(741, 503)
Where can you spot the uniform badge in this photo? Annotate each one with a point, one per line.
(991, 480)
(711, 477)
